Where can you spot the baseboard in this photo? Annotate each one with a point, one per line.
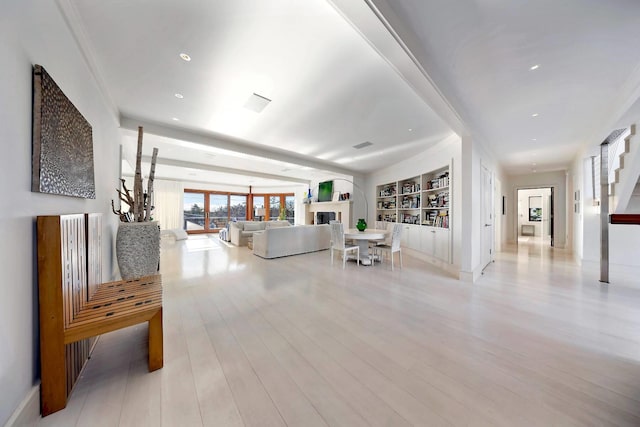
(470, 276)
(28, 411)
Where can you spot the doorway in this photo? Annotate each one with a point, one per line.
(487, 217)
(535, 223)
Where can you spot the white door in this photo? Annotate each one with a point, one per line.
(487, 217)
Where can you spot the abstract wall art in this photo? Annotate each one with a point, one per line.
(62, 142)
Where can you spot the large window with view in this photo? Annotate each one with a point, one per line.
(237, 207)
(267, 207)
(210, 211)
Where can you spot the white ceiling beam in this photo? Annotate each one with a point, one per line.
(232, 144)
(222, 169)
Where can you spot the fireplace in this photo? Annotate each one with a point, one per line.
(325, 217)
(323, 212)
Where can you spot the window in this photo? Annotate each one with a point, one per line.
(209, 211)
(259, 212)
(237, 207)
(194, 212)
(266, 207)
(274, 207)
(290, 208)
(218, 211)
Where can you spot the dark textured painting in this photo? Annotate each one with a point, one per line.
(62, 142)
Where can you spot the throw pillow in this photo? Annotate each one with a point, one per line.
(180, 234)
(253, 226)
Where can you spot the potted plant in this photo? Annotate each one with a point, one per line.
(138, 237)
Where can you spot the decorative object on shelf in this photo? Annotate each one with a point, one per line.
(138, 237)
(361, 225)
(364, 196)
(62, 158)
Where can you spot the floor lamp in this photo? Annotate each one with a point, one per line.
(364, 196)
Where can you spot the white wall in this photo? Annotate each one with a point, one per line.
(542, 228)
(475, 156)
(34, 32)
(433, 158)
(558, 181)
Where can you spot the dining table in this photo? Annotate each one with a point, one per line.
(362, 239)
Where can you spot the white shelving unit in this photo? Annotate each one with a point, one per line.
(423, 204)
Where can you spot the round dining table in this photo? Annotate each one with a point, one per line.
(362, 238)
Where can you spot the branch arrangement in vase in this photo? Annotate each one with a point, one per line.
(140, 202)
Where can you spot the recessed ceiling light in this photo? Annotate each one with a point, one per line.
(175, 119)
(179, 95)
(185, 57)
(410, 130)
(534, 67)
(535, 115)
(533, 139)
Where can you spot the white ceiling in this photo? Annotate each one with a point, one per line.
(330, 89)
(479, 54)
(333, 84)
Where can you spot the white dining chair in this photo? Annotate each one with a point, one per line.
(338, 244)
(393, 247)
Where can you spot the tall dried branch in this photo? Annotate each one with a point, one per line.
(138, 206)
(152, 173)
(127, 194)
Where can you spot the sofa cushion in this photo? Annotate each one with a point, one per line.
(276, 224)
(239, 225)
(284, 241)
(253, 226)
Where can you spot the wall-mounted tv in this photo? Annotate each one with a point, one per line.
(325, 191)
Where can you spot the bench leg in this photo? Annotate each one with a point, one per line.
(156, 347)
(53, 386)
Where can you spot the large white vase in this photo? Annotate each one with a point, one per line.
(138, 249)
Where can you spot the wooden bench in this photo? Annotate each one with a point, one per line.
(75, 306)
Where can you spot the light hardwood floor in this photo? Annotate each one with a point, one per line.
(294, 341)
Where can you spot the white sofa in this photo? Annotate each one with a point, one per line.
(285, 241)
(240, 231)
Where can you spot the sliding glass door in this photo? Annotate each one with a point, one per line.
(210, 211)
(195, 214)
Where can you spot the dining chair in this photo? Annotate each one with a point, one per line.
(393, 247)
(338, 244)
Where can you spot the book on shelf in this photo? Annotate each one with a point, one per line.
(440, 181)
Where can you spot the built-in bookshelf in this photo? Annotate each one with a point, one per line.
(423, 205)
(436, 197)
(420, 200)
(386, 202)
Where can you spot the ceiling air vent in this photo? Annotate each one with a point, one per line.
(362, 145)
(256, 103)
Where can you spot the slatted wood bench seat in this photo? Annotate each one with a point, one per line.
(116, 305)
(75, 306)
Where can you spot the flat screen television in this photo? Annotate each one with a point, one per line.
(325, 191)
